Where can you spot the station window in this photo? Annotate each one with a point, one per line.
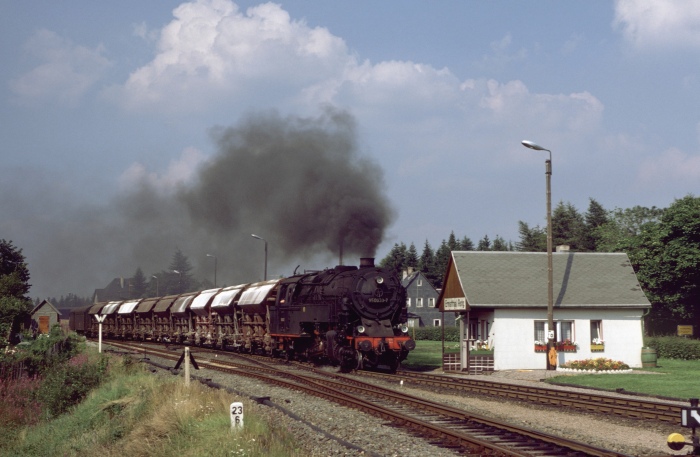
(437, 322)
(420, 282)
(564, 330)
(596, 330)
(431, 303)
(419, 302)
(408, 302)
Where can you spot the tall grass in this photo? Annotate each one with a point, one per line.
(135, 413)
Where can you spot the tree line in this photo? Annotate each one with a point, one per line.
(663, 245)
(177, 278)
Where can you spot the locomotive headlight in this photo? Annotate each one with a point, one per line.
(360, 329)
(404, 328)
(379, 280)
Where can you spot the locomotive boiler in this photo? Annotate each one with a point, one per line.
(349, 316)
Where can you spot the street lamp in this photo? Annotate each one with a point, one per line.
(551, 349)
(212, 255)
(263, 239)
(157, 290)
(179, 282)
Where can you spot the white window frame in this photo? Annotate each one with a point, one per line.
(408, 302)
(540, 328)
(437, 322)
(431, 302)
(419, 302)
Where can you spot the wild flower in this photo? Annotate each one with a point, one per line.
(597, 341)
(78, 360)
(17, 405)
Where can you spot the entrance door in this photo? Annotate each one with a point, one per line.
(43, 324)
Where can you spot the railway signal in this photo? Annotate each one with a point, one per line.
(100, 319)
(690, 418)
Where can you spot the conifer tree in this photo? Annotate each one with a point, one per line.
(484, 244)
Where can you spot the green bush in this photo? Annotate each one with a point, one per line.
(66, 385)
(47, 351)
(674, 347)
(435, 334)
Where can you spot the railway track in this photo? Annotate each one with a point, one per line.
(622, 406)
(450, 427)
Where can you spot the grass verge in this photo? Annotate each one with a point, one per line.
(135, 413)
(672, 378)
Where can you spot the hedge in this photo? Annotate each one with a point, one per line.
(674, 347)
(435, 334)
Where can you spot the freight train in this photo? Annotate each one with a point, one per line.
(347, 316)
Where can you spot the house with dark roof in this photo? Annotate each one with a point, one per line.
(118, 289)
(421, 301)
(502, 300)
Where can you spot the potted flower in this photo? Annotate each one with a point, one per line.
(567, 346)
(597, 345)
(540, 346)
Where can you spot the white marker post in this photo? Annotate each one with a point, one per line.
(100, 319)
(187, 366)
(236, 415)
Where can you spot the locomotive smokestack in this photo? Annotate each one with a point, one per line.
(367, 262)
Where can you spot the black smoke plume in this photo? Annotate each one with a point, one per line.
(300, 183)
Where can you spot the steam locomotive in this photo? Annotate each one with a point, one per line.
(347, 316)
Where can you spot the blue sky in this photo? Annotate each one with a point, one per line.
(103, 99)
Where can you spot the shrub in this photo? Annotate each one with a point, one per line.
(675, 347)
(46, 351)
(435, 334)
(66, 385)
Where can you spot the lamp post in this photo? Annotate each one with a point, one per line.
(179, 282)
(212, 255)
(551, 349)
(263, 239)
(157, 289)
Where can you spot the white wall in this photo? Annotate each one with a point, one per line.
(513, 336)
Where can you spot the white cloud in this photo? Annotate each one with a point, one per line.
(659, 23)
(214, 56)
(179, 172)
(211, 49)
(65, 73)
(673, 165)
(502, 55)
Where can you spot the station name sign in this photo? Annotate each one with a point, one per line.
(685, 330)
(455, 304)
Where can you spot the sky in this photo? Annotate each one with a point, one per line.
(331, 129)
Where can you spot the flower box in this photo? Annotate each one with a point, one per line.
(540, 348)
(597, 347)
(566, 348)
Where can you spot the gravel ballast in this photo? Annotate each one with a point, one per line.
(319, 424)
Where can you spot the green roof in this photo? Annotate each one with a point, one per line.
(519, 279)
